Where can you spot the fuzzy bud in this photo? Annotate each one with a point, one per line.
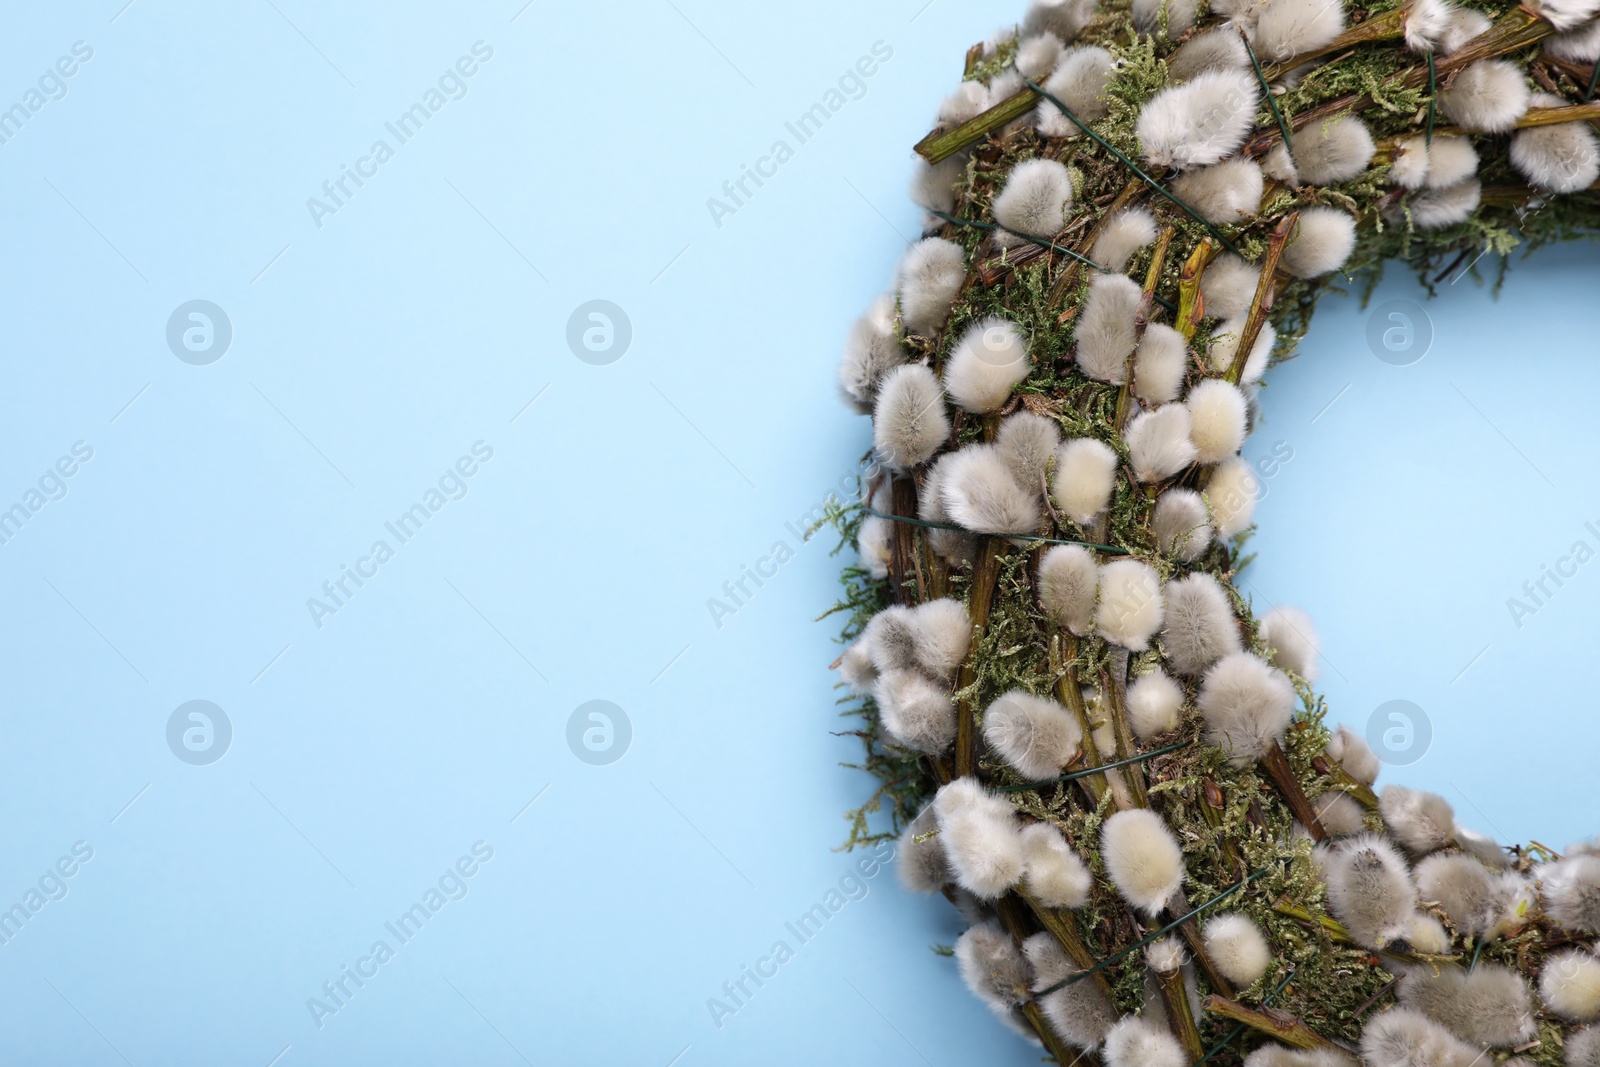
(981, 839)
(1421, 821)
(1181, 526)
(1154, 702)
(988, 362)
(1142, 858)
(1069, 581)
(1055, 875)
(1200, 628)
(1035, 736)
(1236, 945)
(909, 422)
(1130, 608)
(930, 275)
(1085, 474)
(1158, 443)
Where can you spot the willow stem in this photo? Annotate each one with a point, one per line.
(1276, 763)
(1262, 303)
(1175, 997)
(1289, 1029)
(980, 599)
(1191, 305)
(1071, 694)
(1190, 929)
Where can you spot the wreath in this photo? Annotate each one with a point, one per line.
(1084, 737)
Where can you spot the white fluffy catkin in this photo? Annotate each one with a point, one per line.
(1246, 705)
(1569, 985)
(1037, 55)
(980, 494)
(1426, 22)
(871, 350)
(1275, 1055)
(1485, 848)
(1136, 1042)
(1026, 442)
(1158, 442)
(874, 536)
(1293, 640)
(933, 185)
(1225, 193)
(981, 839)
(1170, 19)
(1581, 45)
(1080, 1012)
(994, 970)
(929, 276)
(1181, 526)
(1370, 890)
(1327, 153)
(1130, 608)
(1565, 14)
(1225, 348)
(1232, 494)
(1085, 474)
(1473, 898)
(1322, 242)
(909, 422)
(1064, 18)
(1338, 814)
(1200, 627)
(1288, 28)
(1056, 876)
(1142, 858)
(1489, 1005)
(1561, 158)
(1570, 890)
(987, 363)
(1236, 945)
(1219, 49)
(1035, 199)
(966, 101)
(856, 669)
(1123, 234)
(916, 711)
(1488, 96)
(1435, 209)
(1105, 329)
(921, 866)
(1464, 25)
(953, 545)
(1159, 364)
(1228, 286)
(1420, 821)
(1404, 1037)
(1200, 122)
(1154, 702)
(1079, 82)
(941, 631)
(1354, 754)
(1583, 1048)
(1069, 580)
(1034, 735)
(1216, 420)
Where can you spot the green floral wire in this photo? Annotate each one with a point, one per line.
(1131, 165)
(1148, 938)
(1042, 243)
(1008, 536)
(1086, 772)
(1594, 79)
(1433, 94)
(1283, 127)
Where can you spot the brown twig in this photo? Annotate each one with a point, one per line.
(1262, 303)
(1280, 1025)
(1276, 763)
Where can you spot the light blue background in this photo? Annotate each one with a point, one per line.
(429, 712)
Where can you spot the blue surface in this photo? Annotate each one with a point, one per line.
(424, 724)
